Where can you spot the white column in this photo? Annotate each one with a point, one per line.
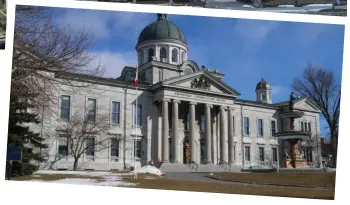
(165, 127)
(192, 131)
(159, 131)
(223, 135)
(231, 154)
(208, 133)
(175, 132)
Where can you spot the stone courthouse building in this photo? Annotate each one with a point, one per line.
(186, 114)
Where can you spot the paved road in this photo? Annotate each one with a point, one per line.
(202, 177)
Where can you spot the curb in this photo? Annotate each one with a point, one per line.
(271, 184)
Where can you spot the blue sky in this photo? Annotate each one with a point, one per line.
(244, 50)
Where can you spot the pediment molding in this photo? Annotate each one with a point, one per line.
(201, 81)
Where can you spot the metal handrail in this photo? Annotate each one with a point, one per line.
(225, 165)
(194, 164)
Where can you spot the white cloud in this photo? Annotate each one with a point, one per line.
(275, 89)
(253, 33)
(114, 62)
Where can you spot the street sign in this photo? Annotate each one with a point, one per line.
(14, 154)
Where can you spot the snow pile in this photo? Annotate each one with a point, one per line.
(318, 5)
(248, 6)
(149, 169)
(286, 6)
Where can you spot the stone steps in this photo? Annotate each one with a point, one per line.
(169, 167)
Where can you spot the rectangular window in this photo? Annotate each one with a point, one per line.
(90, 146)
(247, 153)
(65, 107)
(260, 128)
(261, 154)
(273, 128)
(246, 126)
(138, 115)
(91, 110)
(274, 154)
(309, 125)
(63, 146)
(137, 149)
(115, 113)
(114, 147)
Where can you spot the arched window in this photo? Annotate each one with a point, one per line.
(302, 126)
(142, 57)
(183, 56)
(150, 54)
(309, 125)
(162, 53)
(188, 71)
(174, 55)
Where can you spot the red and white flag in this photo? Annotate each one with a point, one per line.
(136, 80)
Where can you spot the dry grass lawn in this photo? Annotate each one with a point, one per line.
(144, 181)
(155, 182)
(298, 178)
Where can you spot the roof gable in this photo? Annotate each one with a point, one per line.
(307, 104)
(201, 81)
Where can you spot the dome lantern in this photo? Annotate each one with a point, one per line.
(263, 92)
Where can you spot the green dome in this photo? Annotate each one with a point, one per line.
(161, 29)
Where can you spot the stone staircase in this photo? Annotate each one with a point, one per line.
(169, 167)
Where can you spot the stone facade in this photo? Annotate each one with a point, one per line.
(188, 114)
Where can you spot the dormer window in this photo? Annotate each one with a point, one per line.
(162, 53)
(150, 54)
(174, 55)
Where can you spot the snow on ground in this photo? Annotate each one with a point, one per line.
(149, 169)
(85, 173)
(108, 178)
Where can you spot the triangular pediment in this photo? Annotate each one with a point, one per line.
(201, 81)
(306, 104)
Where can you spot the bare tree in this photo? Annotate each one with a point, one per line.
(44, 50)
(324, 89)
(83, 129)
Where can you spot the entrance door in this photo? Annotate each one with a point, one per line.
(186, 154)
(202, 150)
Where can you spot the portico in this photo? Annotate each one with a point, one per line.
(190, 134)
